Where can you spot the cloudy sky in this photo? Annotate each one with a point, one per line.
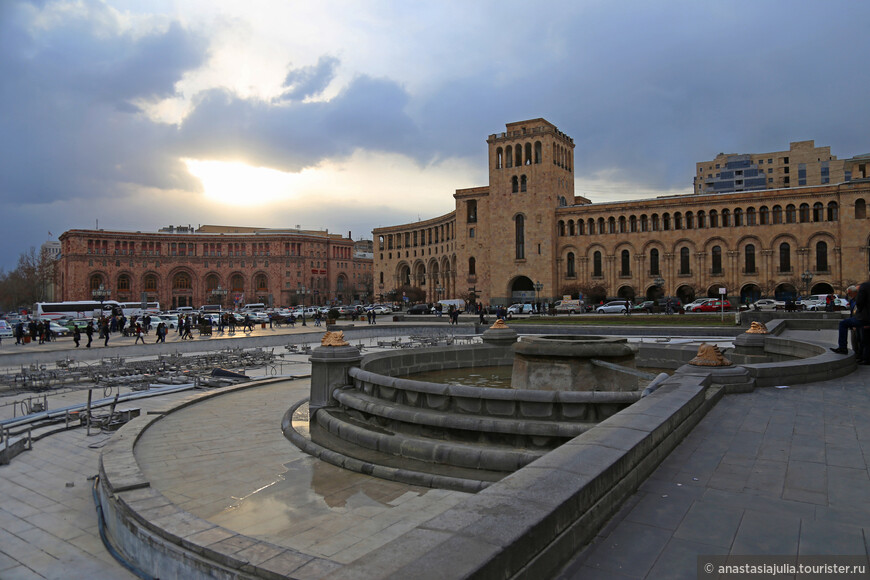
(349, 115)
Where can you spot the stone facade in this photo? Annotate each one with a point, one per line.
(183, 266)
(528, 237)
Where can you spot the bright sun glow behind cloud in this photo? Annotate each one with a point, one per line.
(234, 183)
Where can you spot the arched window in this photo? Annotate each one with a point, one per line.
(262, 283)
(518, 155)
(498, 158)
(520, 237)
(805, 213)
(750, 216)
(726, 218)
(561, 228)
(611, 225)
(625, 264)
(580, 227)
(749, 258)
(738, 217)
(763, 215)
(690, 220)
(714, 219)
(123, 283)
(622, 228)
(821, 257)
(382, 277)
(678, 221)
(601, 226)
(538, 152)
(818, 212)
(666, 221)
(570, 227)
(784, 257)
(632, 224)
(777, 214)
(860, 209)
(509, 157)
(654, 263)
(96, 281)
(790, 214)
(528, 153)
(181, 281)
(150, 283)
(684, 261)
(655, 222)
(211, 282)
(702, 220)
(596, 264)
(716, 255)
(515, 184)
(237, 283)
(833, 212)
(644, 223)
(472, 266)
(590, 227)
(572, 269)
(523, 182)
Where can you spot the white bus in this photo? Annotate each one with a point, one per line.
(135, 308)
(75, 309)
(253, 307)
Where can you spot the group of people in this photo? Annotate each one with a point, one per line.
(35, 330)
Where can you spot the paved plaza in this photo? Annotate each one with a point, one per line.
(775, 471)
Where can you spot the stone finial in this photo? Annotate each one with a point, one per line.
(499, 324)
(757, 328)
(333, 338)
(709, 355)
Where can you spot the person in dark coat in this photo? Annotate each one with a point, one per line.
(89, 331)
(77, 335)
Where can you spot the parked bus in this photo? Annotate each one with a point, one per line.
(135, 308)
(253, 307)
(75, 309)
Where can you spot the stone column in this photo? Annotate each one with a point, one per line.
(329, 367)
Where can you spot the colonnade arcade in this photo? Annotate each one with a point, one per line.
(436, 277)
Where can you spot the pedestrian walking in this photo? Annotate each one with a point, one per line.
(77, 335)
(140, 334)
(106, 333)
(89, 331)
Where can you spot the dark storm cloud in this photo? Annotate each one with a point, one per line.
(310, 81)
(73, 129)
(369, 113)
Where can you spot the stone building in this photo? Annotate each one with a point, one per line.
(803, 164)
(183, 266)
(527, 236)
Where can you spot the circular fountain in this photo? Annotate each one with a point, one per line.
(573, 363)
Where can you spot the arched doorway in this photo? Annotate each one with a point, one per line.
(822, 288)
(654, 292)
(785, 292)
(522, 289)
(626, 293)
(686, 294)
(749, 294)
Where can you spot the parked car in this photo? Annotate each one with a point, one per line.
(767, 304)
(713, 305)
(6, 329)
(691, 306)
(419, 309)
(648, 306)
(569, 306)
(381, 309)
(616, 306)
(520, 309)
(58, 329)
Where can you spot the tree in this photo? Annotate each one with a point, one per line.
(29, 282)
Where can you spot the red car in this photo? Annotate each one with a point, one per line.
(713, 306)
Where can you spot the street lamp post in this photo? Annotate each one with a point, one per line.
(303, 291)
(538, 288)
(101, 294)
(807, 277)
(219, 293)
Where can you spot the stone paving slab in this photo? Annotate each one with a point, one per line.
(775, 471)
